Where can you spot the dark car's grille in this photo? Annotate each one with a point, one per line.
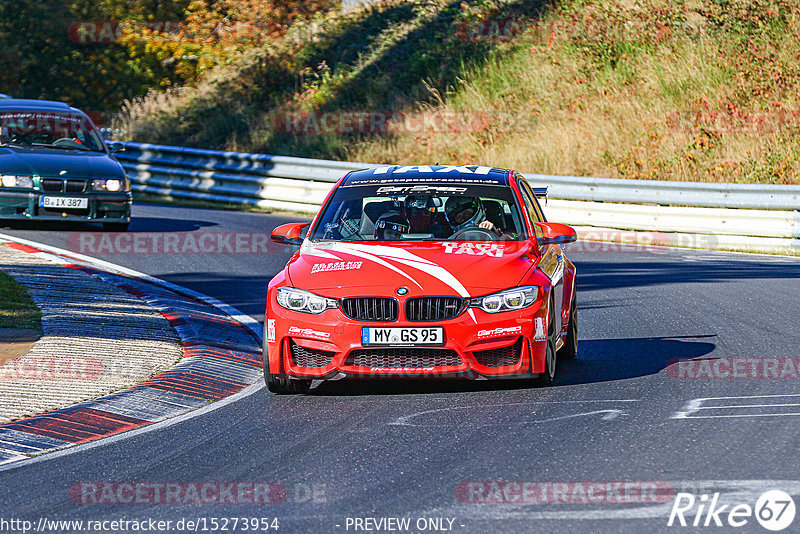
(75, 186)
(403, 358)
(52, 186)
(420, 309)
(381, 309)
(304, 357)
(500, 357)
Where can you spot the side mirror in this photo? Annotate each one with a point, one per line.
(116, 146)
(289, 234)
(555, 234)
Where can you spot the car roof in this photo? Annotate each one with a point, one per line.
(24, 104)
(473, 174)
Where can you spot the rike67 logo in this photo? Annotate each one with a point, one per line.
(774, 510)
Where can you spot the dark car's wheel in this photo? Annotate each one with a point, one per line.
(570, 348)
(282, 385)
(551, 357)
(116, 227)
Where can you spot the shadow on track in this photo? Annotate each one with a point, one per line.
(595, 275)
(409, 386)
(138, 224)
(598, 360)
(602, 360)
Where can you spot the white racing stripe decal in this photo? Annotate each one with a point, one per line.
(366, 255)
(325, 254)
(379, 253)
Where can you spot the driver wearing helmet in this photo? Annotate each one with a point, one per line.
(467, 212)
(420, 211)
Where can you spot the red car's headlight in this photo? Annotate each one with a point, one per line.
(302, 301)
(507, 300)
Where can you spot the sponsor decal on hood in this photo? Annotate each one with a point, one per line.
(336, 266)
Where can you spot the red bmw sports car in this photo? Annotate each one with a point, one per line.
(422, 271)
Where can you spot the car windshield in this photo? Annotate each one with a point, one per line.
(412, 212)
(51, 130)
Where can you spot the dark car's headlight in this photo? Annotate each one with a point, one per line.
(515, 298)
(12, 180)
(303, 301)
(108, 184)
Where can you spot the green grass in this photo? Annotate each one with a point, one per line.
(17, 310)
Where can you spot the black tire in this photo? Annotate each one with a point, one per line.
(116, 227)
(570, 348)
(551, 356)
(282, 385)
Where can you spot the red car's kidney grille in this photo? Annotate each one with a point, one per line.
(421, 309)
(403, 358)
(500, 357)
(381, 309)
(304, 357)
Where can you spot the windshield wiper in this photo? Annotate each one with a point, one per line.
(13, 145)
(63, 147)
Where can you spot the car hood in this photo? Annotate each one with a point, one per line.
(45, 162)
(441, 268)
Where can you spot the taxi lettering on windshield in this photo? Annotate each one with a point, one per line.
(461, 169)
(475, 249)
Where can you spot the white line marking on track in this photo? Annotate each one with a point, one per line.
(251, 324)
(611, 414)
(694, 406)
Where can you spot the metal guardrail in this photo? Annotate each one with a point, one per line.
(254, 179)
(280, 182)
(696, 194)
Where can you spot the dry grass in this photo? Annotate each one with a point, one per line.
(677, 111)
(642, 89)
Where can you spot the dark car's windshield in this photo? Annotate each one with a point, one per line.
(50, 130)
(412, 212)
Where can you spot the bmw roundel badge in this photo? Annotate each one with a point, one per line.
(402, 291)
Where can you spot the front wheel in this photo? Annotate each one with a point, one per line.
(551, 357)
(570, 348)
(282, 385)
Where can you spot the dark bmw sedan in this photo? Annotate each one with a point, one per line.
(54, 165)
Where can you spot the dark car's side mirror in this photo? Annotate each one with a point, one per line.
(555, 234)
(116, 146)
(289, 234)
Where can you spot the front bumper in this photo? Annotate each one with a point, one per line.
(477, 345)
(102, 206)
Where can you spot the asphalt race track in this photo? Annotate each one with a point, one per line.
(410, 450)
